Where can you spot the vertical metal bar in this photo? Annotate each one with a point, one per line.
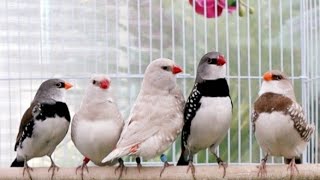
(249, 83)
(303, 60)
(239, 86)
(139, 37)
(173, 58)
(228, 75)
(259, 53)
(216, 29)
(269, 33)
(128, 37)
(291, 42)
(117, 34)
(281, 36)
(172, 30)
(194, 27)
(95, 35)
(8, 74)
(161, 31)
(317, 18)
(150, 29)
(106, 38)
(206, 50)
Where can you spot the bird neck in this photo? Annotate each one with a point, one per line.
(214, 88)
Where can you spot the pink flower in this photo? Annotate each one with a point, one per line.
(214, 8)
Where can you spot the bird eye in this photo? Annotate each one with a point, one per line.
(277, 77)
(94, 82)
(166, 68)
(209, 61)
(59, 85)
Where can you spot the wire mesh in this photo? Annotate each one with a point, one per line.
(73, 39)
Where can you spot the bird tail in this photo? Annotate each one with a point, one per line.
(17, 163)
(298, 160)
(115, 154)
(183, 160)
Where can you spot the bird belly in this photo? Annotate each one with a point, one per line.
(277, 136)
(95, 139)
(211, 123)
(45, 137)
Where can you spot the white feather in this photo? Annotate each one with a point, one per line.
(211, 123)
(277, 136)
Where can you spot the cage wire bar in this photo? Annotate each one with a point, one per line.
(41, 39)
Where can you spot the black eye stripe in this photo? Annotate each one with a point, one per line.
(60, 85)
(94, 82)
(212, 61)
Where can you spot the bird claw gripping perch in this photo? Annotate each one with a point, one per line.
(121, 167)
(262, 167)
(165, 161)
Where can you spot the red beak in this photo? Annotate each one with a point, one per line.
(104, 84)
(220, 60)
(176, 69)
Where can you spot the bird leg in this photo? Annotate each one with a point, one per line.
(262, 167)
(191, 166)
(27, 168)
(165, 161)
(138, 161)
(292, 166)
(121, 167)
(221, 164)
(53, 167)
(83, 166)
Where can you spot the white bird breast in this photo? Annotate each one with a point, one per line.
(211, 123)
(277, 136)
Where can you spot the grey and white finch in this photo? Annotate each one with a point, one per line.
(156, 118)
(208, 111)
(96, 127)
(44, 124)
(279, 122)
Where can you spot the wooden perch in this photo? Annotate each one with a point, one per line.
(306, 171)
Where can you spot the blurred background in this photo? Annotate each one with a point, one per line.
(41, 39)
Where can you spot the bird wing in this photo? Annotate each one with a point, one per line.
(300, 124)
(190, 110)
(26, 118)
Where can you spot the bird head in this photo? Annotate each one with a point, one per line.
(52, 89)
(277, 82)
(211, 67)
(161, 74)
(100, 81)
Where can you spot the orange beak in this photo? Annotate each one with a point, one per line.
(267, 76)
(67, 85)
(176, 69)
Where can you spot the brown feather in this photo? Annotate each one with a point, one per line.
(27, 116)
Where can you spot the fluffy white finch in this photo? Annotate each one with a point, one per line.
(208, 111)
(156, 118)
(279, 122)
(44, 124)
(96, 127)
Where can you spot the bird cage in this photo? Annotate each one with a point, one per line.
(74, 39)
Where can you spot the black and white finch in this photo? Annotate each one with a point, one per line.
(208, 111)
(44, 124)
(96, 127)
(279, 122)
